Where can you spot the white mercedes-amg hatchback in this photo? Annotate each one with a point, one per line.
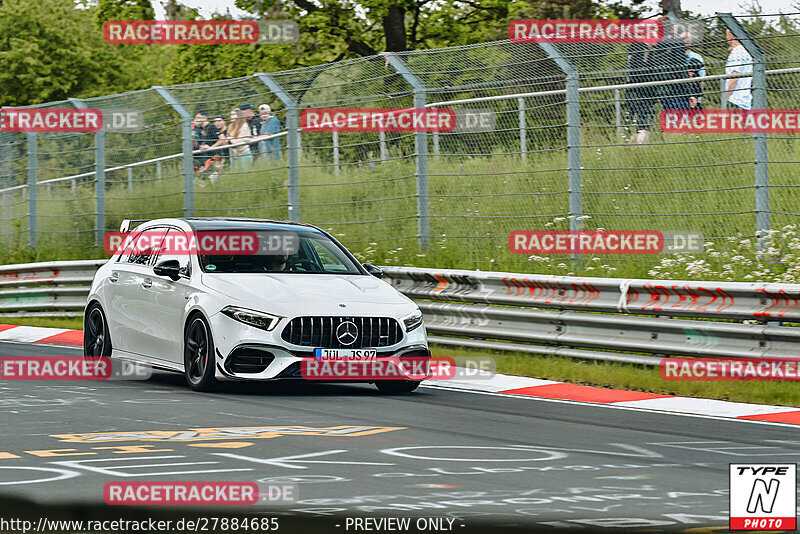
(215, 315)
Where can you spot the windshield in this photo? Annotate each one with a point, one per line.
(311, 253)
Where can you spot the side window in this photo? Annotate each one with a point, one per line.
(330, 262)
(178, 242)
(143, 252)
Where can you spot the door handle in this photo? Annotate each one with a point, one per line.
(147, 283)
(114, 277)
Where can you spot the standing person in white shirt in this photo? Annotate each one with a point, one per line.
(739, 62)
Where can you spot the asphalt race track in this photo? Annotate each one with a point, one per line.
(477, 459)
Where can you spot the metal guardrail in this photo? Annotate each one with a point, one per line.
(591, 318)
(548, 314)
(52, 289)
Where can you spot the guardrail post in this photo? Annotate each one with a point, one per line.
(32, 187)
(573, 104)
(292, 141)
(421, 149)
(759, 91)
(188, 159)
(523, 129)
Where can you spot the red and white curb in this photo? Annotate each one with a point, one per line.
(515, 385)
(641, 400)
(38, 334)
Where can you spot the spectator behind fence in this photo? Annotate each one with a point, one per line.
(253, 124)
(696, 66)
(669, 62)
(204, 136)
(270, 125)
(238, 131)
(739, 61)
(224, 153)
(696, 86)
(641, 101)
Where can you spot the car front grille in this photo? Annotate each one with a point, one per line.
(322, 332)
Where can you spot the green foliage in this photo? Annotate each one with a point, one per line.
(49, 51)
(123, 10)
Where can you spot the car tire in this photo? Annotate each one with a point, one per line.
(198, 355)
(397, 386)
(96, 337)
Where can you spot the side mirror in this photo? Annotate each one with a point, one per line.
(168, 268)
(374, 271)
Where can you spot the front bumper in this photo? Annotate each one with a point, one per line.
(247, 353)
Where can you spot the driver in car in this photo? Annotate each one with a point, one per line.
(275, 262)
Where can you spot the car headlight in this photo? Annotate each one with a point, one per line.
(261, 320)
(412, 321)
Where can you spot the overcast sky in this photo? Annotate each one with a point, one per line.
(703, 7)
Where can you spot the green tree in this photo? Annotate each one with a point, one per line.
(123, 10)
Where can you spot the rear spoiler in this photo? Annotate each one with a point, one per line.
(127, 223)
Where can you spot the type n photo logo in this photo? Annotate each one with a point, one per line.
(763, 497)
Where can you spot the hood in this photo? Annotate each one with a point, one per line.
(309, 294)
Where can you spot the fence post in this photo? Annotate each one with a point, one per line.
(382, 143)
(292, 141)
(523, 129)
(32, 189)
(100, 179)
(435, 143)
(421, 149)
(158, 170)
(573, 134)
(759, 91)
(188, 149)
(336, 152)
(130, 178)
(618, 113)
(723, 94)
(7, 221)
(99, 187)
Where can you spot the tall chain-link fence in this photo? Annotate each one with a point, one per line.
(575, 143)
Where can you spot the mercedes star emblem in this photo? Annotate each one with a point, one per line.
(347, 333)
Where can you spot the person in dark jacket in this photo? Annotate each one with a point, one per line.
(641, 101)
(669, 63)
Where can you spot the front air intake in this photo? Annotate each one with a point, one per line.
(343, 332)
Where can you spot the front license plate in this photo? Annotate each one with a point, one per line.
(345, 354)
